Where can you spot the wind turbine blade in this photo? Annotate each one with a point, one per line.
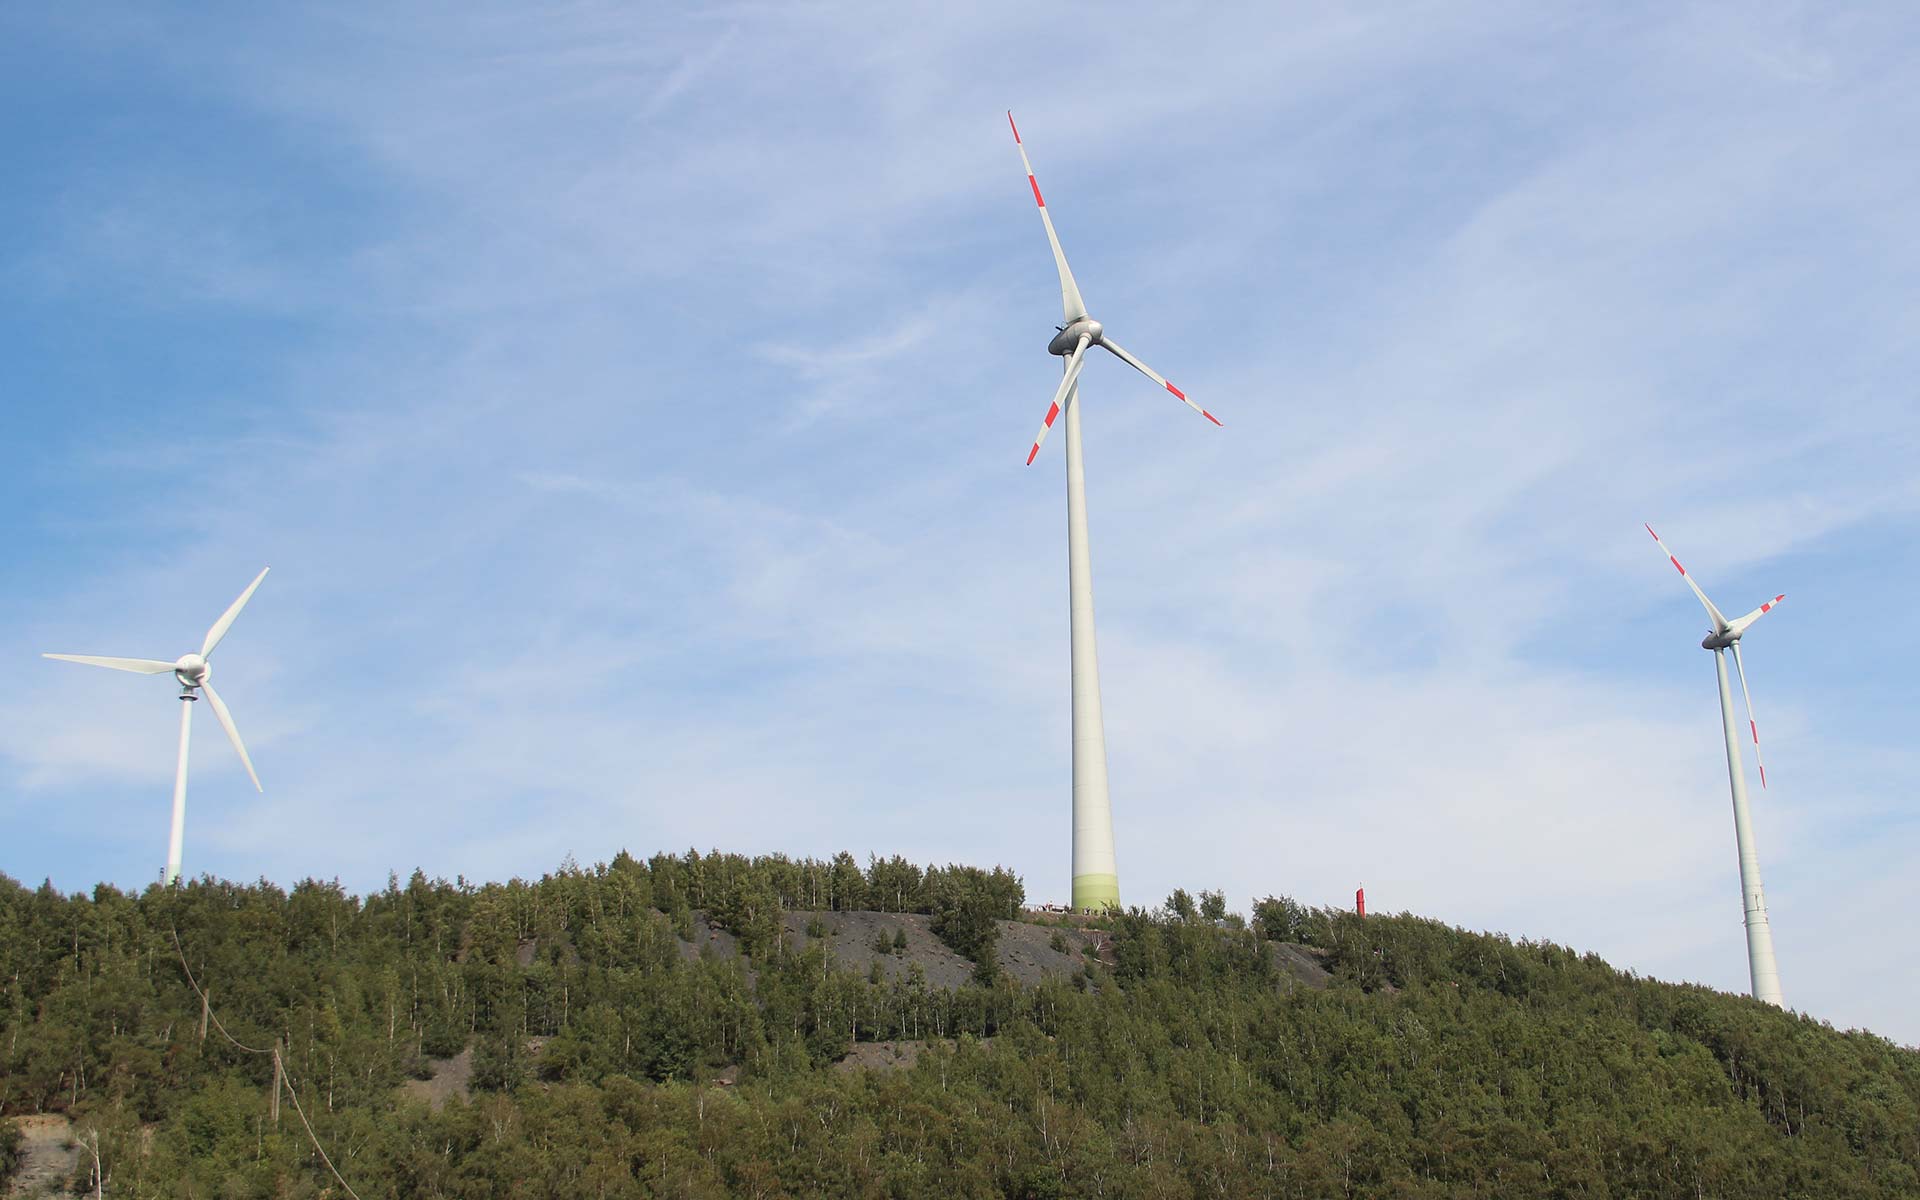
(225, 622)
(1070, 299)
(1752, 725)
(139, 666)
(233, 735)
(1156, 376)
(1740, 624)
(1075, 361)
(1720, 623)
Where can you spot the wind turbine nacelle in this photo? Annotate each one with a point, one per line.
(192, 670)
(1064, 341)
(1718, 640)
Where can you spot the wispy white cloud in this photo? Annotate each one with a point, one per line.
(686, 72)
(811, 363)
(647, 468)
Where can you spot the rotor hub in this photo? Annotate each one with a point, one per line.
(1069, 337)
(192, 670)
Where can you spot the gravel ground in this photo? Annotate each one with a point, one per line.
(706, 934)
(850, 938)
(1026, 951)
(1299, 966)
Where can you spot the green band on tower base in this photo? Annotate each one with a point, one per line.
(1096, 892)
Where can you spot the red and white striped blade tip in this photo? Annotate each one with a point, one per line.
(1663, 546)
(1032, 182)
(1053, 410)
(1183, 396)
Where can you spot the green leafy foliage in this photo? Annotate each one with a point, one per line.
(968, 905)
(1180, 904)
(1182, 1061)
(1213, 906)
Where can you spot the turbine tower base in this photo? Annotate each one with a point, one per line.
(1097, 893)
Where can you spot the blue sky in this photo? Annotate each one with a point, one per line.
(631, 405)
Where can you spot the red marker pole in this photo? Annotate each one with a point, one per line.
(1360, 901)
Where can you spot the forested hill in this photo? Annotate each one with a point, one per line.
(683, 1027)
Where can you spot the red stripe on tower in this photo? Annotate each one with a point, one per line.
(1360, 901)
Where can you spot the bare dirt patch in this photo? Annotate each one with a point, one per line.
(895, 1056)
(48, 1156)
(451, 1077)
(881, 1056)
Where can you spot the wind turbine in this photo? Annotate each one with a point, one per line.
(1096, 882)
(1725, 636)
(194, 673)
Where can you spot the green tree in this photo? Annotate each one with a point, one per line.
(966, 910)
(1180, 904)
(1213, 906)
(893, 884)
(9, 1150)
(848, 883)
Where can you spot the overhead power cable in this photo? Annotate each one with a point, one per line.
(280, 1073)
(205, 1003)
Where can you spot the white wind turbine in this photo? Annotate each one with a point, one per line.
(1096, 882)
(194, 673)
(1725, 636)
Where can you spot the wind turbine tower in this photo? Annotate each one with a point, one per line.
(1096, 880)
(1724, 636)
(194, 674)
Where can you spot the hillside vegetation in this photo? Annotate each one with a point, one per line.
(682, 1027)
